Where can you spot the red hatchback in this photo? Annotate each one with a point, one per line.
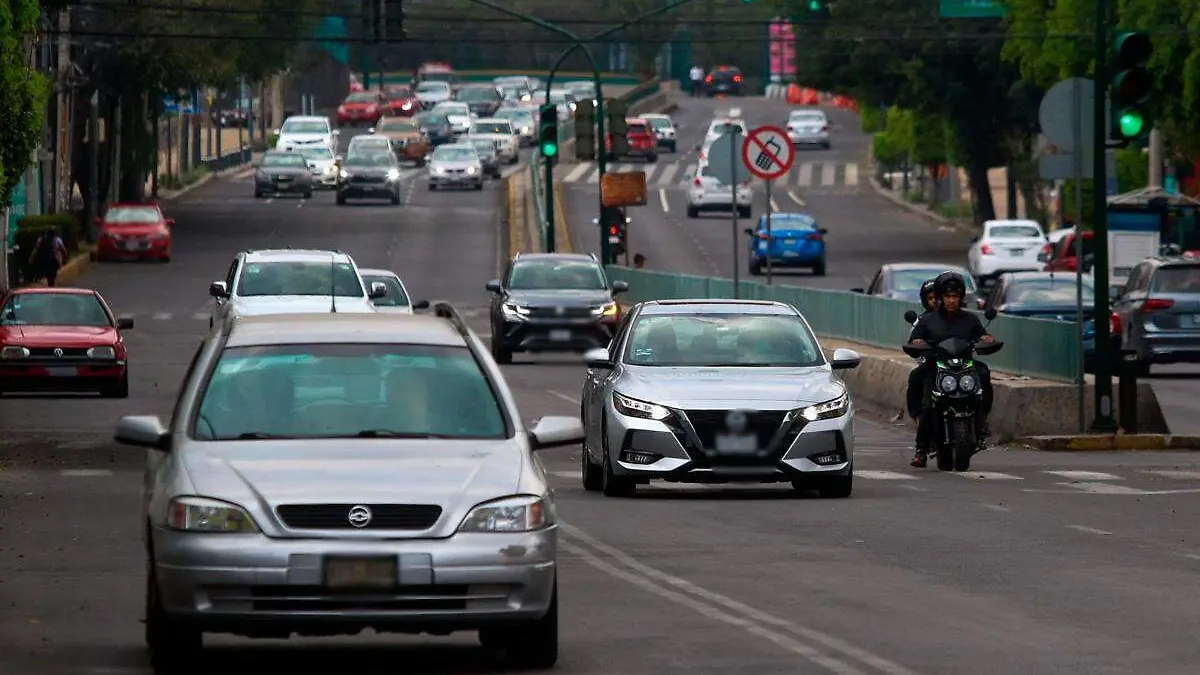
(62, 340)
(134, 231)
(361, 107)
(399, 102)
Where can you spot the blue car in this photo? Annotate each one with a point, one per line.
(795, 241)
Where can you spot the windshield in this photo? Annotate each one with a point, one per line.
(458, 154)
(459, 109)
(806, 117)
(397, 127)
(1177, 279)
(478, 94)
(363, 157)
(516, 116)
(298, 278)
(362, 97)
(347, 391)
(396, 297)
(1048, 292)
(133, 214)
(724, 128)
(398, 93)
(484, 147)
(659, 123)
(428, 87)
(716, 340)
(513, 91)
(491, 128)
(304, 127)
(317, 154)
(911, 280)
(556, 275)
(1014, 232)
(636, 128)
(54, 309)
(439, 76)
(558, 97)
(292, 159)
(431, 119)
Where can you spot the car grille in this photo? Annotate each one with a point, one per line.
(764, 424)
(567, 312)
(367, 179)
(67, 352)
(321, 600)
(336, 516)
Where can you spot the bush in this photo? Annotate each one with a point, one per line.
(30, 228)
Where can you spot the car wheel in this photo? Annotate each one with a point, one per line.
(671, 147)
(535, 646)
(118, 389)
(433, 187)
(174, 647)
(307, 194)
(501, 353)
(755, 268)
(258, 194)
(693, 212)
(611, 484)
(819, 269)
(593, 479)
(341, 199)
(836, 487)
(826, 146)
(479, 186)
(396, 198)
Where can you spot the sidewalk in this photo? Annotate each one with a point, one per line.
(996, 178)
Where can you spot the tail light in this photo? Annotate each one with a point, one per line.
(815, 236)
(614, 230)
(1156, 304)
(698, 183)
(708, 79)
(737, 78)
(986, 250)
(764, 236)
(1114, 324)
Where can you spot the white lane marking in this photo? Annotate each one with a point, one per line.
(884, 475)
(996, 507)
(655, 579)
(577, 173)
(914, 488)
(161, 316)
(85, 473)
(828, 174)
(244, 173)
(804, 176)
(594, 177)
(795, 197)
(1191, 556)
(851, 174)
(1089, 530)
(270, 200)
(565, 474)
(1176, 474)
(201, 316)
(1103, 489)
(665, 176)
(1084, 475)
(987, 475)
(565, 397)
(662, 198)
(774, 204)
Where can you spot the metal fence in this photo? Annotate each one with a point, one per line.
(227, 160)
(1034, 347)
(539, 199)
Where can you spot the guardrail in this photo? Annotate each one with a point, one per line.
(1034, 347)
(228, 160)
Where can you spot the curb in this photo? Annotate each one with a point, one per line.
(1102, 443)
(917, 209)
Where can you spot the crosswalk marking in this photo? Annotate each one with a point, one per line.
(1174, 473)
(828, 174)
(851, 175)
(988, 475)
(673, 174)
(1084, 475)
(884, 475)
(577, 173)
(668, 171)
(805, 177)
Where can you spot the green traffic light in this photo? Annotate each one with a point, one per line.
(1131, 123)
(814, 5)
(549, 149)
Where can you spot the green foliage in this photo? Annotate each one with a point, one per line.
(22, 93)
(873, 119)
(1133, 172)
(930, 141)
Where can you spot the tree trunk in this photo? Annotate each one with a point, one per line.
(981, 191)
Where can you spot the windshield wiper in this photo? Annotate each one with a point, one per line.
(388, 433)
(258, 435)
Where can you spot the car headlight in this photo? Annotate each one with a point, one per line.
(14, 352)
(948, 383)
(393, 174)
(827, 410)
(510, 514)
(514, 312)
(607, 310)
(471, 170)
(102, 353)
(967, 383)
(199, 514)
(525, 130)
(631, 407)
(344, 173)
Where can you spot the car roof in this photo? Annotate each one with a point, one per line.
(125, 205)
(296, 255)
(307, 118)
(806, 111)
(655, 116)
(343, 328)
(1066, 277)
(712, 306)
(377, 273)
(56, 290)
(901, 266)
(1003, 222)
(456, 144)
(481, 120)
(580, 257)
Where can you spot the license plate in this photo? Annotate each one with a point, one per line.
(736, 443)
(560, 335)
(1196, 318)
(790, 254)
(614, 240)
(1015, 252)
(789, 242)
(62, 371)
(360, 572)
(283, 177)
(133, 245)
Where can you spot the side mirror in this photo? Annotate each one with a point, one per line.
(421, 304)
(378, 290)
(845, 359)
(620, 286)
(748, 231)
(990, 313)
(276, 132)
(125, 323)
(1114, 292)
(1043, 257)
(218, 289)
(143, 431)
(555, 432)
(371, 130)
(910, 316)
(858, 290)
(822, 231)
(493, 286)
(337, 132)
(169, 221)
(598, 358)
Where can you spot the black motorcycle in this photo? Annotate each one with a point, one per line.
(956, 395)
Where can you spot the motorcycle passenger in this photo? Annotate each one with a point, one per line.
(950, 321)
(917, 377)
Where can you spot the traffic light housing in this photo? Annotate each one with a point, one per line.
(585, 130)
(548, 131)
(378, 20)
(616, 110)
(1132, 85)
(393, 20)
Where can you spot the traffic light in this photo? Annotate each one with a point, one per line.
(585, 130)
(1131, 87)
(616, 111)
(548, 130)
(394, 20)
(378, 20)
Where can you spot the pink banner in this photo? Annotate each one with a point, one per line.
(781, 48)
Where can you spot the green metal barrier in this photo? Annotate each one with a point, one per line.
(539, 199)
(1034, 347)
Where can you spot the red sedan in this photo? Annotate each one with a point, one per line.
(399, 102)
(134, 231)
(361, 107)
(62, 340)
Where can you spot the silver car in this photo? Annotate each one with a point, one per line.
(319, 477)
(716, 391)
(397, 300)
(808, 127)
(455, 165)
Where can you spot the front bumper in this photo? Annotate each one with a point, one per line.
(555, 335)
(666, 141)
(361, 190)
(135, 248)
(815, 138)
(261, 586)
(456, 179)
(682, 448)
(271, 186)
(39, 375)
(783, 260)
(1171, 347)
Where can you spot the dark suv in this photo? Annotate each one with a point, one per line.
(552, 302)
(725, 80)
(1159, 311)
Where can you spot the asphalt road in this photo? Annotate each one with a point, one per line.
(1012, 569)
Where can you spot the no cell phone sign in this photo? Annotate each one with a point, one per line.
(768, 152)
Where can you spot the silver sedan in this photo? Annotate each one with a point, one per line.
(717, 391)
(319, 477)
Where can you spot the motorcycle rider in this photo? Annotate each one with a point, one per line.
(950, 321)
(917, 377)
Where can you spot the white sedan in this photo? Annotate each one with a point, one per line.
(707, 193)
(397, 300)
(1006, 246)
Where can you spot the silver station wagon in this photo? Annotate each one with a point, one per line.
(324, 474)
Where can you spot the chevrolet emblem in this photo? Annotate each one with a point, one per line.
(559, 311)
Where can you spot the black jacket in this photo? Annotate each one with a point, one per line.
(913, 335)
(933, 327)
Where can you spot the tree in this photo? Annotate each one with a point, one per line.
(22, 93)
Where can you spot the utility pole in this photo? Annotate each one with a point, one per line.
(1156, 158)
(93, 191)
(1103, 420)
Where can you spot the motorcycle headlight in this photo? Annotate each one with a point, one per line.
(827, 410)
(605, 311)
(948, 383)
(14, 352)
(967, 383)
(393, 174)
(631, 407)
(198, 514)
(510, 514)
(514, 312)
(102, 353)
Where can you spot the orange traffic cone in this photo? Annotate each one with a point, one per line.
(809, 97)
(793, 94)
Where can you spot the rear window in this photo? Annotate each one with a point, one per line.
(132, 214)
(1177, 279)
(637, 129)
(1048, 292)
(1014, 231)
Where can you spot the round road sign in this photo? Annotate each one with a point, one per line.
(768, 152)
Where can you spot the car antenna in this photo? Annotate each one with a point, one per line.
(332, 284)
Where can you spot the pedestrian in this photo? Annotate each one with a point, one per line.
(639, 261)
(49, 255)
(697, 76)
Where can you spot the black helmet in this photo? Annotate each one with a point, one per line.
(928, 287)
(949, 282)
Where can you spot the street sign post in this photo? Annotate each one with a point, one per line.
(768, 154)
(724, 164)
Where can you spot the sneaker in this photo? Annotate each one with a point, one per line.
(920, 459)
(984, 433)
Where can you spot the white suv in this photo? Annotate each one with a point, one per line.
(305, 131)
(707, 193)
(500, 132)
(291, 281)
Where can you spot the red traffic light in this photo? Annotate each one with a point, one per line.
(1133, 50)
(1132, 86)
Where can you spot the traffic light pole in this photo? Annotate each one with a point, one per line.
(548, 188)
(1103, 420)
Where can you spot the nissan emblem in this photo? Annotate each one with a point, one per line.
(736, 420)
(359, 516)
(559, 311)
